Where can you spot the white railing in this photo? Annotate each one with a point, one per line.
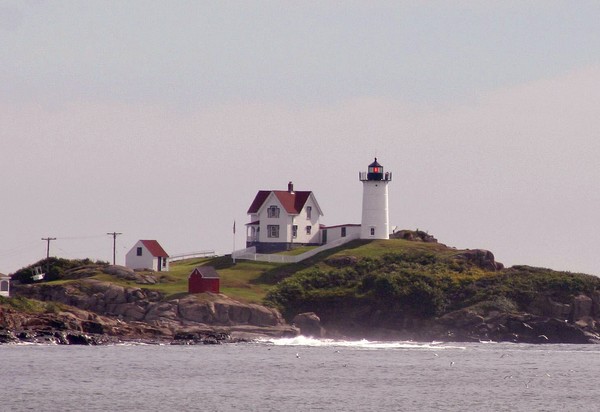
(182, 256)
(242, 252)
(250, 253)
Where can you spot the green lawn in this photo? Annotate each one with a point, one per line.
(237, 281)
(297, 251)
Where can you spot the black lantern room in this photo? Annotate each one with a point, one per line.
(375, 171)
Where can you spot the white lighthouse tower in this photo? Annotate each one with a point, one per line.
(375, 216)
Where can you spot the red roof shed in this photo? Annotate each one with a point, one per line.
(204, 279)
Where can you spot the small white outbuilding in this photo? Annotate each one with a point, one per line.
(147, 254)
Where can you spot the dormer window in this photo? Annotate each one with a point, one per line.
(273, 212)
(308, 212)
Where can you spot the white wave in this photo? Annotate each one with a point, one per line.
(357, 344)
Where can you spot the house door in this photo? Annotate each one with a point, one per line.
(324, 236)
(159, 264)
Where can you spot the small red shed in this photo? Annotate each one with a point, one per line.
(204, 279)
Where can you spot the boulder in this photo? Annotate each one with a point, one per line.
(194, 311)
(309, 324)
(596, 304)
(131, 311)
(115, 294)
(8, 336)
(122, 272)
(543, 305)
(162, 311)
(264, 316)
(582, 307)
(463, 318)
(481, 258)
(240, 314)
(561, 331)
(414, 236)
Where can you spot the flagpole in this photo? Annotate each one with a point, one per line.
(233, 251)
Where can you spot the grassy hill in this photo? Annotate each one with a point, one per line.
(238, 281)
(391, 276)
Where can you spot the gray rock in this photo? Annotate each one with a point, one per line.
(309, 324)
(582, 307)
(161, 311)
(482, 258)
(543, 305)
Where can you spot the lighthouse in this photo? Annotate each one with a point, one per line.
(375, 222)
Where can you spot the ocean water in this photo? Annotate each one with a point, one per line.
(301, 374)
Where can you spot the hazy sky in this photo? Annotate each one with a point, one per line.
(163, 119)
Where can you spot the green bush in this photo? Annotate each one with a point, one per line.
(53, 267)
(424, 284)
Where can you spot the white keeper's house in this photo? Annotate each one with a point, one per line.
(280, 219)
(147, 254)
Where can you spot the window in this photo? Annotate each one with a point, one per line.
(372, 231)
(343, 232)
(164, 262)
(308, 212)
(294, 231)
(139, 251)
(273, 230)
(308, 230)
(4, 286)
(273, 211)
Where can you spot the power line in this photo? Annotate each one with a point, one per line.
(114, 235)
(80, 237)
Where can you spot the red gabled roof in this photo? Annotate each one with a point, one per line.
(259, 199)
(154, 248)
(292, 202)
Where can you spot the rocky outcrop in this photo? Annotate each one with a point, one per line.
(544, 321)
(140, 277)
(69, 327)
(73, 326)
(414, 236)
(481, 258)
(464, 325)
(138, 306)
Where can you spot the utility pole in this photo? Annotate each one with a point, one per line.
(114, 235)
(48, 239)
